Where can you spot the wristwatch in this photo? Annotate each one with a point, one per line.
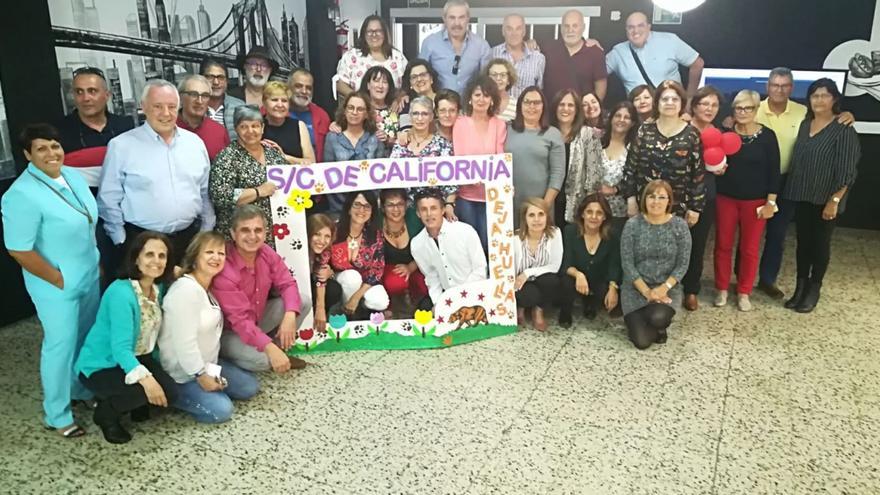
(835, 199)
(449, 203)
(668, 285)
(771, 202)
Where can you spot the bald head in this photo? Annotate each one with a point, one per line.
(573, 27)
(513, 28)
(637, 29)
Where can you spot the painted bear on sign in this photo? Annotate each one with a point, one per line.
(469, 315)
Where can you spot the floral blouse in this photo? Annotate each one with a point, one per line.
(678, 160)
(234, 170)
(151, 320)
(584, 172)
(369, 262)
(437, 146)
(354, 64)
(612, 174)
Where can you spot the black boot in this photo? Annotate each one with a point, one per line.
(108, 420)
(565, 316)
(810, 299)
(799, 291)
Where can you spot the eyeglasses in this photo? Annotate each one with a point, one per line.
(780, 87)
(395, 205)
(821, 96)
(532, 103)
(354, 109)
(493, 75)
(447, 111)
(357, 205)
(254, 64)
(420, 115)
(219, 77)
(633, 27)
(670, 99)
(420, 75)
(196, 95)
(748, 109)
(457, 63)
(706, 104)
(657, 197)
(89, 70)
(374, 33)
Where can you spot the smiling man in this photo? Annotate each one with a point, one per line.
(660, 55)
(155, 177)
(529, 64)
(573, 63)
(455, 52)
(221, 105)
(195, 92)
(257, 67)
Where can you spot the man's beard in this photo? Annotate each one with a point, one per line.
(301, 101)
(257, 81)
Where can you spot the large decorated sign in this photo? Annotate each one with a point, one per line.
(473, 311)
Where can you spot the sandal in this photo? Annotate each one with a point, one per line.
(90, 404)
(72, 431)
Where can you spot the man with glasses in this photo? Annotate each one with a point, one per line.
(195, 91)
(529, 64)
(85, 132)
(574, 63)
(257, 67)
(456, 53)
(649, 57)
(221, 105)
(301, 84)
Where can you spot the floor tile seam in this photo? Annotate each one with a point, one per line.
(793, 404)
(714, 489)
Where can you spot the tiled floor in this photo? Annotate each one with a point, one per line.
(765, 402)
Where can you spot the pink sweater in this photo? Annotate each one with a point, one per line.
(466, 140)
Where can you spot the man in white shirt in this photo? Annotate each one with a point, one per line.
(448, 253)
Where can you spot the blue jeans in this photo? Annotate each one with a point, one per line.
(473, 213)
(774, 242)
(216, 407)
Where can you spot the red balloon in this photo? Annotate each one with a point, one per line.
(711, 137)
(731, 143)
(713, 155)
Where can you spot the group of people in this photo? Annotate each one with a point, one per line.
(149, 251)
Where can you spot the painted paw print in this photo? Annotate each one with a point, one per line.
(319, 187)
(322, 334)
(296, 245)
(509, 233)
(406, 327)
(292, 273)
(280, 230)
(510, 278)
(494, 244)
(432, 181)
(493, 257)
(364, 165)
(507, 189)
(359, 330)
(282, 211)
(508, 157)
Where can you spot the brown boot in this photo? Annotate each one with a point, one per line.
(297, 363)
(691, 303)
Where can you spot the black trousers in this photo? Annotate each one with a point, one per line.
(540, 292)
(813, 241)
(643, 324)
(699, 237)
(332, 294)
(115, 398)
(595, 300)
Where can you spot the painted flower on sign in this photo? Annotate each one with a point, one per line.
(423, 317)
(300, 200)
(280, 231)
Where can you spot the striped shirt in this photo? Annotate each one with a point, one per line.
(529, 69)
(822, 164)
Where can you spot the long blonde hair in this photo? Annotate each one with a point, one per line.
(523, 230)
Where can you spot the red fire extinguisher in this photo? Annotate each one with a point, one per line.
(341, 37)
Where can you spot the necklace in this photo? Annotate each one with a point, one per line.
(354, 242)
(82, 210)
(395, 235)
(419, 143)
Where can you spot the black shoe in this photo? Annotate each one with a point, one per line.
(771, 290)
(114, 432)
(799, 291)
(140, 414)
(565, 317)
(810, 299)
(661, 336)
(590, 312)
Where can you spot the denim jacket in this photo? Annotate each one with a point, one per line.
(337, 148)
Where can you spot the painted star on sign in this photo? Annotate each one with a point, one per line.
(449, 302)
(491, 312)
(439, 319)
(481, 297)
(464, 293)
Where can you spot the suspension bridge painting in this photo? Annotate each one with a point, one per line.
(133, 41)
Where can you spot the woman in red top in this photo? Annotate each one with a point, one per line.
(358, 256)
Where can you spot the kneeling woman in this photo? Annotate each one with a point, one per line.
(116, 361)
(401, 275)
(591, 265)
(189, 342)
(326, 291)
(537, 250)
(655, 249)
(358, 256)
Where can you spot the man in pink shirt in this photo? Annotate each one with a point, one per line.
(258, 329)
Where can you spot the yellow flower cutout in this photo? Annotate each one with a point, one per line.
(423, 317)
(300, 200)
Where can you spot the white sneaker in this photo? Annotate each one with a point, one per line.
(744, 303)
(721, 298)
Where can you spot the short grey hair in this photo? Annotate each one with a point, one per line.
(247, 212)
(423, 101)
(157, 83)
(246, 112)
(781, 72)
(747, 95)
(456, 3)
(181, 86)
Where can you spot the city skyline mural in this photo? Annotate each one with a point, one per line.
(133, 41)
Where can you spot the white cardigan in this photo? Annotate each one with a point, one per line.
(189, 341)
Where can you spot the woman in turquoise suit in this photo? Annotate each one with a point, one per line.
(49, 220)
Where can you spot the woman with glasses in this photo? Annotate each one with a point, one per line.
(667, 148)
(746, 199)
(654, 251)
(371, 49)
(379, 85)
(290, 136)
(504, 74)
(643, 99)
(238, 175)
(539, 155)
(358, 256)
(704, 110)
(478, 132)
(823, 169)
(401, 275)
(419, 79)
(448, 105)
